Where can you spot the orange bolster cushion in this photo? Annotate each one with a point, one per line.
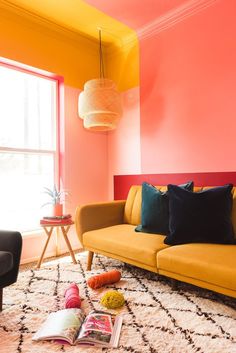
(109, 277)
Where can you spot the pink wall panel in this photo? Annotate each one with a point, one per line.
(84, 161)
(187, 92)
(124, 142)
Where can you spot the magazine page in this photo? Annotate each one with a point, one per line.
(116, 331)
(63, 325)
(99, 328)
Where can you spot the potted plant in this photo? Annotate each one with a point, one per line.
(56, 200)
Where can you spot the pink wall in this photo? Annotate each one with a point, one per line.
(187, 91)
(84, 160)
(124, 142)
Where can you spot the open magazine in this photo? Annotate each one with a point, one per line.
(98, 328)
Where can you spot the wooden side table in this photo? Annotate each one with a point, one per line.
(48, 228)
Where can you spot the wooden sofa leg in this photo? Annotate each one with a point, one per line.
(174, 284)
(90, 260)
(1, 295)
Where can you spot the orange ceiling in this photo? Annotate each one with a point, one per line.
(75, 23)
(118, 18)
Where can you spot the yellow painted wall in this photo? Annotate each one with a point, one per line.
(32, 44)
(48, 46)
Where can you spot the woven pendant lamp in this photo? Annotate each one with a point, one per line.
(100, 102)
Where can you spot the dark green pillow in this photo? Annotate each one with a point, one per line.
(155, 209)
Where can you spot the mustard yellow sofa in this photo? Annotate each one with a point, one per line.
(109, 229)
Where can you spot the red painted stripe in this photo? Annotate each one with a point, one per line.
(122, 183)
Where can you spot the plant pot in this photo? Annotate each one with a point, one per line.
(57, 209)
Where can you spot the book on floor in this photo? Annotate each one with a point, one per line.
(98, 328)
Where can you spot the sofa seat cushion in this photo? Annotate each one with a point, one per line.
(211, 263)
(122, 240)
(6, 262)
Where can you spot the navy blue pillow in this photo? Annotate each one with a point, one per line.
(155, 209)
(201, 217)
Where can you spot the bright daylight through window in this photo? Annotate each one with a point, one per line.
(28, 155)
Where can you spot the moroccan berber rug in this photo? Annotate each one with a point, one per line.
(156, 318)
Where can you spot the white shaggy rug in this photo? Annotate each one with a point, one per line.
(156, 318)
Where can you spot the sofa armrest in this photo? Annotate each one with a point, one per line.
(98, 215)
(11, 241)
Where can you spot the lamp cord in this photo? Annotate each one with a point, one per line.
(101, 56)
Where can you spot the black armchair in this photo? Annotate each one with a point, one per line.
(10, 252)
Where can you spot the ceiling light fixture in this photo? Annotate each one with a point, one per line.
(100, 102)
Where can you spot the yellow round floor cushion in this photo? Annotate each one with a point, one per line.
(113, 299)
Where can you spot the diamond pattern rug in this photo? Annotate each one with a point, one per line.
(156, 318)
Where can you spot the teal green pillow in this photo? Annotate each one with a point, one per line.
(155, 209)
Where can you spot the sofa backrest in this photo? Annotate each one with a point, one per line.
(132, 213)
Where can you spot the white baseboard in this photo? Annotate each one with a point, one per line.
(33, 244)
(49, 254)
(32, 259)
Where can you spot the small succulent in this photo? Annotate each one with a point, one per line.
(55, 195)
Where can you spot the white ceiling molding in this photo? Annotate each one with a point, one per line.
(172, 17)
(169, 19)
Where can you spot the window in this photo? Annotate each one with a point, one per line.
(28, 146)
